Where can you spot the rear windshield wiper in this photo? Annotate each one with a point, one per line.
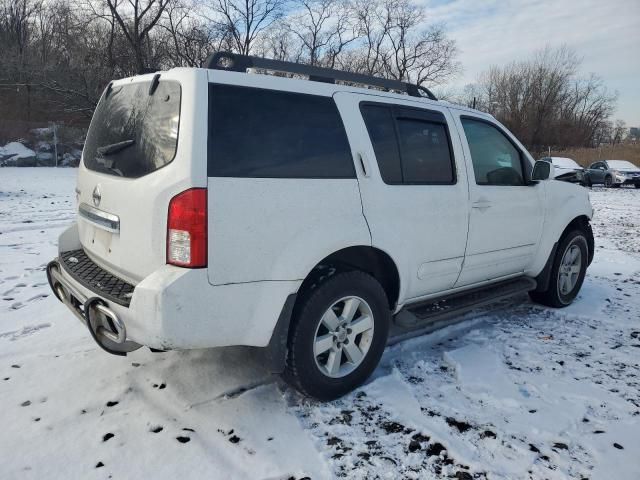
(114, 147)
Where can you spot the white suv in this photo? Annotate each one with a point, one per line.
(321, 221)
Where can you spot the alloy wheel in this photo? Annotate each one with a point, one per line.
(343, 337)
(569, 271)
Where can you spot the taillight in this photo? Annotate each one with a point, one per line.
(187, 229)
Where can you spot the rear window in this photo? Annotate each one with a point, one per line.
(564, 162)
(621, 164)
(133, 133)
(262, 133)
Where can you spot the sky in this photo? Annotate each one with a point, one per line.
(604, 33)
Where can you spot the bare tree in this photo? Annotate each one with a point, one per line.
(396, 44)
(245, 20)
(323, 29)
(544, 102)
(190, 38)
(136, 19)
(620, 131)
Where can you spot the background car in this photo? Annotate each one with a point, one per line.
(613, 173)
(568, 170)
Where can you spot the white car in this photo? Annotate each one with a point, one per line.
(318, 221)
(567, 169)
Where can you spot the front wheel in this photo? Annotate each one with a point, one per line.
(608, 181)
(567, 273)
(338, 333)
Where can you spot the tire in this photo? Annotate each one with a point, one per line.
(314, 350)
(563, 286)
(637, 185)
(608, 181)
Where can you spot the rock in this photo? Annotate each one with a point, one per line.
(27, 162)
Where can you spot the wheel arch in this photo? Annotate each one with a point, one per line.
(368, 259)
(582, 222)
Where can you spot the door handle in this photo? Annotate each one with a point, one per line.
(363, 164)
(481, 204)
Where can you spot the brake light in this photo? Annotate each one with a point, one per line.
(187, 229)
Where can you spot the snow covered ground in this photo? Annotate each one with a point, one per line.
(514, 391)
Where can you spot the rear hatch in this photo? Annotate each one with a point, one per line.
(134, 161)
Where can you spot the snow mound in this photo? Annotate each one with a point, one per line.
(16, 150)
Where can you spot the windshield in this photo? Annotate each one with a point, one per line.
(133, 133)
(564, 162)
(621, 165)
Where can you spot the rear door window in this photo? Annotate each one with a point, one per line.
(273, 134)
(382, 132)
(426, 156)
(133, 133)
(412, 146)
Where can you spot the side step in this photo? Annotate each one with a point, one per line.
(425, 317)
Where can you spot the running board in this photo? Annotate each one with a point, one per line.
(426, 317)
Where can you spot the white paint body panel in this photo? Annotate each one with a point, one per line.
(279, 229)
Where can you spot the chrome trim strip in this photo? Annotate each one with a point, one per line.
(99, 218)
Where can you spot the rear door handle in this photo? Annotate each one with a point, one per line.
(364, 164)
(481, 204)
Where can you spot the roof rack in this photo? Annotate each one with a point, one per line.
(240, 63)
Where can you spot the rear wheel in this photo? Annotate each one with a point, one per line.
(567, 273)
(338, 333)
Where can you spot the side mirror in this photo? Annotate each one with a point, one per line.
(542, 170)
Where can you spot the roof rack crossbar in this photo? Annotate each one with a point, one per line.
(240, 63)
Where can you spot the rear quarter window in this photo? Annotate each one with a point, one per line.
(261, 133)
(133, 133)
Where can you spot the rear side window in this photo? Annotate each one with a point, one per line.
(133, 133)
(412, 146)
(272, 134)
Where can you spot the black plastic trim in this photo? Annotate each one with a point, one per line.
(544, 277)
(154, 83)
(92, 276)
(275, 353)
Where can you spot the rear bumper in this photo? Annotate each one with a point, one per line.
(177, 308)
(105, 326)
